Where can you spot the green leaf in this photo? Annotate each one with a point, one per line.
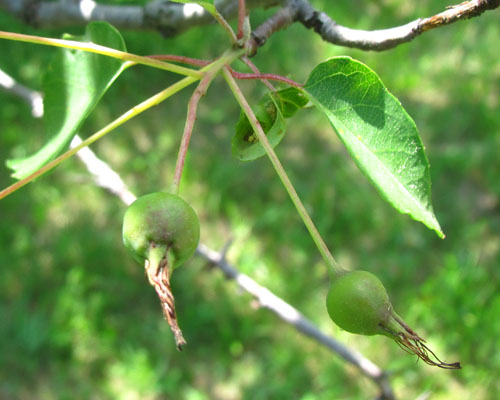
(271, 112)
(291, 100)
(73, 85)
(245, 145)
(206, 4)
(379, 134)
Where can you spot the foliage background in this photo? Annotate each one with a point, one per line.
(78, 319)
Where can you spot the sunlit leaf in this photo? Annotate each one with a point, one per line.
(73, 84)
(291, 100)
(379, 134)
(245, 145)
(271, 112)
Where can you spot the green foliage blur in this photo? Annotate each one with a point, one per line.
(78, 318)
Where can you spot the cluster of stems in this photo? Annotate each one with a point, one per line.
(159, 271)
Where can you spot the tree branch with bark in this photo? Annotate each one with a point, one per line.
(384, 39)
(166, 17)
(171, 19)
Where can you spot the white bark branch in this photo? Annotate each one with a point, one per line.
(105, 177)
(159, 15)
(384, 39)
(32, 97)
(173, 18)
(292, 316)
(378, 40)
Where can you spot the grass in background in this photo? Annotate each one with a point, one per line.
(78, 319)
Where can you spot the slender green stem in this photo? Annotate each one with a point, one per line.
(152, 101)
(98, 49)
(318, 240)
(225, 25)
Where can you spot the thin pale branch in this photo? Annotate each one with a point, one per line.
(32, 97)
(378, 40)
(172, 19)
(168, 18)
(104, 175)
(292, 316)
(282, 19)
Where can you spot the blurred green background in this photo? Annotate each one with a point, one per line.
(78, 318)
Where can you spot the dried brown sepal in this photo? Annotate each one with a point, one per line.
(412, 343)
(159, 278)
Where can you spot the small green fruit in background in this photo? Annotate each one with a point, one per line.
(162, 231)
(358, 302)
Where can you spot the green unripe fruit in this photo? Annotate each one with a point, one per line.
(358, 303)
(162, 231)
(161, 220)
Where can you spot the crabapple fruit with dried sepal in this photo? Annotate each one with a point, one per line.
(358, 302)
(162, 231)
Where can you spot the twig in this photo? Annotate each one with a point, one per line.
(128, 58)
(282, 19)
(255, 70)
(378, 40)
(242, 13)
(292, 316)
(264, 77)
(180, 59)
(168, 18)
(104, 176)
(172, 19)
(32, 97)
(107, 178)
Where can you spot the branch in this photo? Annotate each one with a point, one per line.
(164, 16)
(33, 98)
(292, 316)
(105, 177)
(172, 19)
(378, 40)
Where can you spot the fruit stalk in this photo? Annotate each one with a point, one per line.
(335, 268)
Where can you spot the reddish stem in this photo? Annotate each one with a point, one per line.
(241, 18)
(238, 75)
(188, 128)
(181, 59)
(254, 68)
(273, 77)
